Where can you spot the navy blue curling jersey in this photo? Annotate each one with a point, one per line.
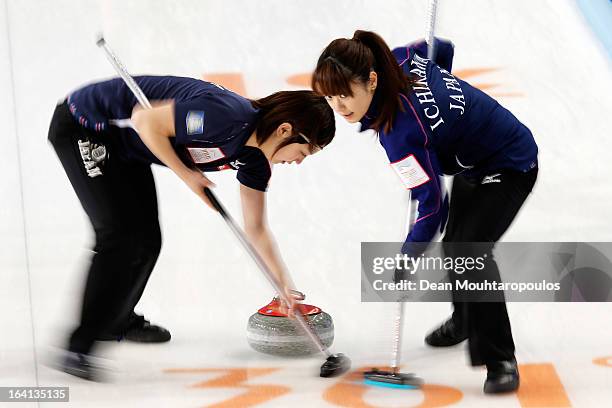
(212, 124)
(446, 126)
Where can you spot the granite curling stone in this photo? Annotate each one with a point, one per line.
(270, 331)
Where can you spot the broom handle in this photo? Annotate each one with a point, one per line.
(431, 28)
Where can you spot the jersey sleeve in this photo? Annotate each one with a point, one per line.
(256, 172)
(444, 52)
(204, 118)
(417, 166)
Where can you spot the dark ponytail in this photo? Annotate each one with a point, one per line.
(345, 61)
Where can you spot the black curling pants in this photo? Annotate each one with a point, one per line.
(481, 211)
(121, 203)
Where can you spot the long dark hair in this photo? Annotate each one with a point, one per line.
(351, 60)
(307, 112)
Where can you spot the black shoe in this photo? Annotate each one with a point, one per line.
(139, 330)
(110, 337)
(142, 331)
(81, 365)
(502, 376)
(446, 335)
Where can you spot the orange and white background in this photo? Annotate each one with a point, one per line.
(539, 58)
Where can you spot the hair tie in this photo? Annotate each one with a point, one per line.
(336, 62)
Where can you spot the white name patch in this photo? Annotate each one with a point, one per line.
(205, 154)
(410, 172)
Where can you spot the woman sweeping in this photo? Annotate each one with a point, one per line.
(431, 123)
(107, 143)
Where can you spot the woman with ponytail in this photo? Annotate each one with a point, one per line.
(431, 124)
